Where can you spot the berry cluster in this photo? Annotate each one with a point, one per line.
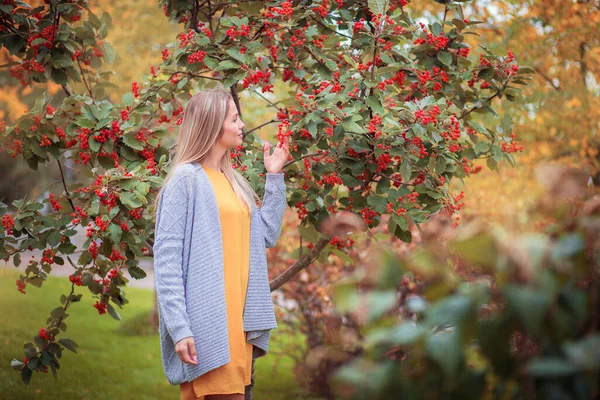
(101, 307)
(234, 33)
(368, 215)
(76, 279)
(196, 57)
(9, 223)
(45, 141)
(48, 256)
(341, 243)
(257, 77)
(44, 334)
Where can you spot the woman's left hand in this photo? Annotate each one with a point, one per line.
(274, 162)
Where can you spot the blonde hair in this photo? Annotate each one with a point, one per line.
(202, 126)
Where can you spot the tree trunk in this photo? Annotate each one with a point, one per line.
(248, 391)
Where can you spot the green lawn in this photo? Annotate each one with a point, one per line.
(109, 363)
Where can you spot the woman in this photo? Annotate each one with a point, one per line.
(215, 307)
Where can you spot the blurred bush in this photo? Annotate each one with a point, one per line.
(486, 314)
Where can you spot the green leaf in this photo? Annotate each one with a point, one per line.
(445, 349)
(452, 310)
(402, 334)
(525, 70)
(114, 233)
(113, 313)
(567, 246)
(346, 297)
(551, 367)
(54, 238)
(109, 52)
(478, 250)
(351, 126)
(405, 170)
(69, 344)
(349, 180)
(530, 305)
(16, 364)
(378, 302)
(61, 61)
(228, 64)
(235, 53)
(482, 147)
(84, 258)
(309, 233)
(506, 124)
(130, 140)
(94, 144)
(378, 6)
(436, 28)
(459, 23)
(26, 375)
(136, 272)
(445, 58)
(142, 189)
(130, 200)
(375, 104)
(128, 99)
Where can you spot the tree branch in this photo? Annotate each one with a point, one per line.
(301, 264)
(300, 158)
(65, 185)
(547, 78)
(331, 29)
(236, 99)
(260, 126)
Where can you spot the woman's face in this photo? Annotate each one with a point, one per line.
(232, 128)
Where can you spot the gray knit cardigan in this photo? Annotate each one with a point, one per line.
(188, 271)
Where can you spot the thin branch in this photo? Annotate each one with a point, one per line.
(194, 20)
(268, 101)
(260, 126)
(301, 264)
(65, 185)
(210, 14)
(84, 80)
(300, 158)
(66, 90)
(547, 78)
(474, 108)
(331, 29)
(217, 5)
(393, 179)
(236, 99)
(10, 64)
(45, 187)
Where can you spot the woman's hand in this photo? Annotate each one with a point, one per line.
(274, 162)
(186, 349)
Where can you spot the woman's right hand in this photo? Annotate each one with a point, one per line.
(186, 349)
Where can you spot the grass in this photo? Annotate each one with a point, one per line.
(111, 364)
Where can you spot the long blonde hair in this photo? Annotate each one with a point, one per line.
(202, 126)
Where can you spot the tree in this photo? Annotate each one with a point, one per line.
(383, 113)
(559, 40)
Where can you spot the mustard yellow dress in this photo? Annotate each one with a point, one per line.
(231, 378)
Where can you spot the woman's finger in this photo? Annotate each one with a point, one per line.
(193, 352)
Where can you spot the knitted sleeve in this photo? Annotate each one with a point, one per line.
(168, 257)
(273, 207)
